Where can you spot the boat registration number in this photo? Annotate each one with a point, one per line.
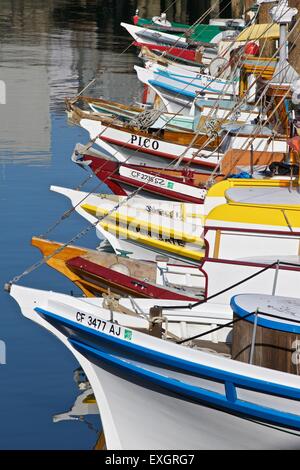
(147, 178)
(101, 325)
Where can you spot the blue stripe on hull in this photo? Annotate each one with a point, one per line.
(171, 88)
(229, 379)
(231, 403)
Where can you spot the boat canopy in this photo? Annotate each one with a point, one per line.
(259, 31)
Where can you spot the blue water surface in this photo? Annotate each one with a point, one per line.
(47, 53)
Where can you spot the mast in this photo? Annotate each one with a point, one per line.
(283, 15)
(294, 53)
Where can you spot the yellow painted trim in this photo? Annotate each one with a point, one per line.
(217, 244)
(219, 189)
(90, 399)
(251, 214)
(117, 217)
(285, 207)
(153, 242)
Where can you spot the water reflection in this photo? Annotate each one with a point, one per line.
(50, 50)
(84, 408)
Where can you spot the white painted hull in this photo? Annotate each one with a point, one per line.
(260, 144)
(197, 83)
(135, 248)
(219, 113)
(194, 80)
(174, 67)
(174, 102)
(124, 146)
(154, 36)
(138, 414)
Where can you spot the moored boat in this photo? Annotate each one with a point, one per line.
(97, 273)
(194, 398)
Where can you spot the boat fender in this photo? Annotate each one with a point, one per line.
(161, 20)
(136, 17)
(251, 48)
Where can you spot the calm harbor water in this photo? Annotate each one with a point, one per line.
(49, 50)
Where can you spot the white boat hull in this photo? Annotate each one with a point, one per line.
(137, 399)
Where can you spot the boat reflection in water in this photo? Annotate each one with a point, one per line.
(84, 408)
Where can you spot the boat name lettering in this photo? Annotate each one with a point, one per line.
(144, 142)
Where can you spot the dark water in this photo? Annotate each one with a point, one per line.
(49, 50)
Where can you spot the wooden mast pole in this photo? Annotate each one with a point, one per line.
(294, 52)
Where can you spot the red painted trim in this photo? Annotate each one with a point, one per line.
(110, 166)
(158, 190)
(111, 177)
(249, 264)
(187, 54)
(145, 94)
(251, 230)
(113, 185)
(126, 282)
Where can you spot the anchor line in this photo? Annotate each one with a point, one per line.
(84, 231)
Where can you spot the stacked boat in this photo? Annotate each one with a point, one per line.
(187, 329)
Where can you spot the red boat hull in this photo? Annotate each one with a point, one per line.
(109, 172)
(102, 278)
(187, 54)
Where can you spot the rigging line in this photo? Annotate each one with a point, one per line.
(233, 322)
(268, 63)
(218, 328)
(172, 163)
(259, 99)
(70, 211)
(207, 299)
(112, 210)
(126, 49)
(105, 68)
(255, 81)
(212, 81)
(229, 84)
(196, 23)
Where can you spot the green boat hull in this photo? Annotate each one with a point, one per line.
(201, 32)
